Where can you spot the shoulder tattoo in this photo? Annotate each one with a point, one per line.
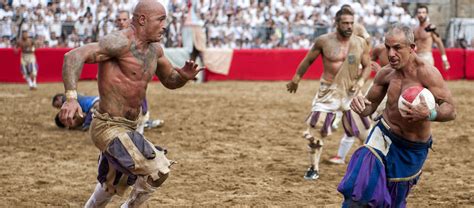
(113, 44)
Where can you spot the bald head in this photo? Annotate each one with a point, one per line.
(149, 7)
(149, 20)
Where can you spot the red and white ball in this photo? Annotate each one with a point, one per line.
(412, 95)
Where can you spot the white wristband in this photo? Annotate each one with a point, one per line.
(444, 57)
(71, 94)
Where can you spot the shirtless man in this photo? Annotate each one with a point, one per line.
(127, 59)
(122, 21)
(382, 172)
(379, 53)
(342, 54)
(29, 67)
(361, 123)
(425, 35)
(357, 30)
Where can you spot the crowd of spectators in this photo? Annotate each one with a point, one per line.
(228, 23)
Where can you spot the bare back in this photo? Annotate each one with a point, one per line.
(423, 39)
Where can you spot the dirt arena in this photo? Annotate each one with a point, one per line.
(237, 144)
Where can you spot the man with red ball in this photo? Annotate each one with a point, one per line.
(382, 172)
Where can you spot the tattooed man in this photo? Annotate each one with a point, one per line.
(342, 53)
(127, 59)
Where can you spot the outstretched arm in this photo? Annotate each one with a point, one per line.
(108, 47)
(310, 57)
(173, 78)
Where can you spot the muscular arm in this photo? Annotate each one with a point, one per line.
(308, 60)
(108, 47)
(167, 74)
(433, 80)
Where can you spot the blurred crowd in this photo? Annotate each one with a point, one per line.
(228, 23)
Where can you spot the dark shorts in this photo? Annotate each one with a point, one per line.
(382, 172)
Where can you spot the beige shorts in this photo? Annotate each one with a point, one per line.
(427, 56)
(28, 64)
(126, 153)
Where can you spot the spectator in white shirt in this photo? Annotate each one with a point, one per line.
(80, 27)
(56, 26)
(53, 40)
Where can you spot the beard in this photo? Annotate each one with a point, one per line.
(422, 19)
(344, 33)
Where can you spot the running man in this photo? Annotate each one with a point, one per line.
(128, 60)
(425, 35)
(379, 53)
(382, 172)
(342, 54)
(29, 67)
(122, 21)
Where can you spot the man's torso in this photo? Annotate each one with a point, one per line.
(396, 83)
(423, 39)
(27, 46)
(335, 52)
(123, 80)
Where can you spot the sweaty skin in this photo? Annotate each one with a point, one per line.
(334, 49)
(127, 59)
(406, 69)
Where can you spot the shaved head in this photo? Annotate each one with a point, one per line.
(149, 20)
(149, 7)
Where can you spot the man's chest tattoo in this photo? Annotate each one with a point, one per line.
(146, 58)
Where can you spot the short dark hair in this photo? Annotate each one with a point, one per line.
(58, 122)
(345, 10)
(63, 98)
(421, 6)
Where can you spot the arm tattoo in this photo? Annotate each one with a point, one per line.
(72, 68)
(113, 44)
(175, 81)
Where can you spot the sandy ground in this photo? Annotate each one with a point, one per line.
(237, 144)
